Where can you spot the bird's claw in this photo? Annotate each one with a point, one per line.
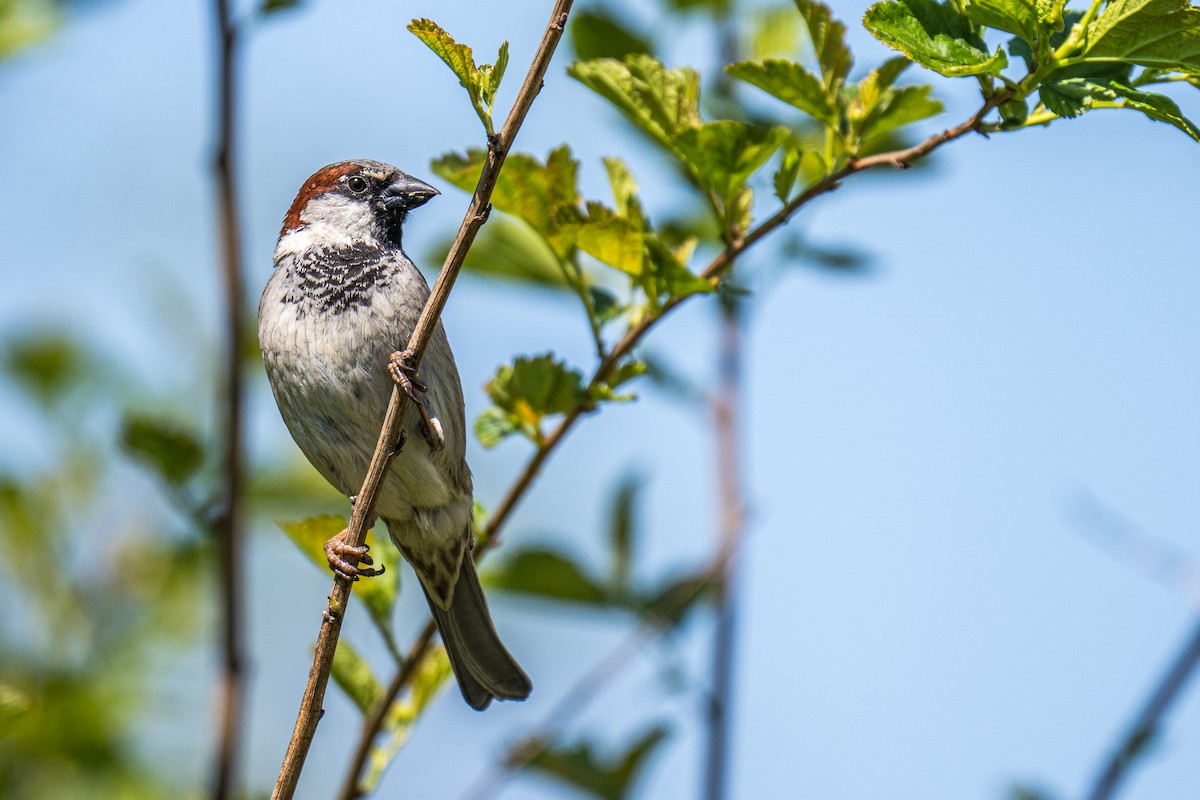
(401, 368)
(335, 550)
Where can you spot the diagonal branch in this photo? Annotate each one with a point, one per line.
(227, 527)
(715, 270)
(363, 515)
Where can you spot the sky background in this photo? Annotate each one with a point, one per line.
(925, 612)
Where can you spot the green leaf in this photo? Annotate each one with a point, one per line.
(493, 426)
(1157, 107)
(785, 177)
(725, 154)
(165, 447)
(481, 82)
(526, 188)
(378, 594)
(430, 675)
(597, 33)
(1162, 34)
(828, 37)
(542, 572)
(877, 108)
(26, 23)
(533, 388)
(624, 187)
(611, 777)
(791, 83)
(509, 249)
(934, 35)
(900, 107)
(611, 239)
(659, 101)
(1071, 97)
(1015, 16)
(353, 676)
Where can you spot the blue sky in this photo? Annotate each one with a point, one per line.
(923, 615)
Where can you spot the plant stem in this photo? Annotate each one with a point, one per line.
(364, 507)
(1148, 720)
(727, 413)
(227, 528)
(713, 272)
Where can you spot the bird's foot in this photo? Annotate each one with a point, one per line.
(404, 373)
(335, 550)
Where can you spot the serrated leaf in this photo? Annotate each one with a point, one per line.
(481, 82)
(828, 37)
(666, 275)
(791, 83)
(661, 102)
(532, 388)
(1015, 16)
(726, 153)
(163, 446)
(1155, 106)
(1163, 34)
(526, 188)
(546, 573)
(934, 35)
(598, 33)
(509, 249)
(900, 107)
(611, 777)
(353, 676)
(1068, 98)
(785, 177)
(493, 426)
(611, 239)
(378, 594)
(624, 187)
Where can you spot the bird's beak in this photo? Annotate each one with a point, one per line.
(407, 193)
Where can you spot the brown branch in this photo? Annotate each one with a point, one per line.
(227, 528)
(713, 272)
(363, 515)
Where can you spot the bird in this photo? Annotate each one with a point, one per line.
(337, 310)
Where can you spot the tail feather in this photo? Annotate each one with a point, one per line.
(483, 667)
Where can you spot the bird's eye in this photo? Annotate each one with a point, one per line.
(357, 184)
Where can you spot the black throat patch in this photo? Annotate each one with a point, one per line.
(335, 281)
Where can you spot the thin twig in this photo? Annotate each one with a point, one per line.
(713, 272)
(363, 515)
(727, 414)
(227, 528)
(1149, 719)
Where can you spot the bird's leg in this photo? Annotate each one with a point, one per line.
(401, 368)
(337, 547)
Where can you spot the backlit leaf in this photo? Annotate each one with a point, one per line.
(548, 574)
(598, 33)
(791, 83)
(933, 34)
(608, 777)
(1162, 34)
(353, 676)
(659, 101)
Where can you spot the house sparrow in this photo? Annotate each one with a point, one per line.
(342, 300)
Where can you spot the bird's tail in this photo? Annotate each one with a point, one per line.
(482, 665)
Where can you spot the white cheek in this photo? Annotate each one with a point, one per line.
(330, 220)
